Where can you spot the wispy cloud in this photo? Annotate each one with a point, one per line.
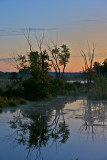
(90, 20)
(38, 29)
(6, 59)
(18, 32)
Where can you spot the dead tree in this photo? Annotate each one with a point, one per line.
(88, 58)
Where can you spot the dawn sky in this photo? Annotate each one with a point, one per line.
(69, 21)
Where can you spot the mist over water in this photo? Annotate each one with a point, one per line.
(61, 129)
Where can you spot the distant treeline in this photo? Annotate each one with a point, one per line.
(67, 75)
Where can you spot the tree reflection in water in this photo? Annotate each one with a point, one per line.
(95, 118)
(40, 125)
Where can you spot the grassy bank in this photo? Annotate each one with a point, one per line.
(98, 90)
(33, 91)
(5, 102)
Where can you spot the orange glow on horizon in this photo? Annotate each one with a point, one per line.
(75, 65)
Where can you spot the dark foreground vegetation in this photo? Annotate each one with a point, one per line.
(40, 85)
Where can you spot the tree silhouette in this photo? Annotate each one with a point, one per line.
(59, 58)
(88, 63)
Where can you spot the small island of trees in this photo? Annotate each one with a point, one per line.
(33, 81)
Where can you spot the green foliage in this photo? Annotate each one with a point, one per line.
(58, 83)
(70, 86)
(89, 74)
(22, 101)
(78, 84)
(37, 88)
(12, 102)
(12, 92)
(13, 76)
(64, 55)
(99, 91)
(4, 101)
(101, 87)
(101, 70)
(105, 67)
(1, 91)
(97, 67)
(61, 87)
(60, 58)
(35, 63)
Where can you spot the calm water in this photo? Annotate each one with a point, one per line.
(64, 129)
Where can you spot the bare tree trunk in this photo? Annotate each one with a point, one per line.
(63, 71)
(88, 68)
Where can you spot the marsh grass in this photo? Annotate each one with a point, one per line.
(12, 102)
(99, 90)
(57, 87)
(22, 101)
(5, 102)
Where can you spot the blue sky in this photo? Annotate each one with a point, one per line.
(50, 13)
(74, 21)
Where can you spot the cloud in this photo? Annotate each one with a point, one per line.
(37, 29)
(18, 32)
(90, 20)
(6, 59)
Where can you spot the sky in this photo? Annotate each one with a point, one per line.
(72, 22)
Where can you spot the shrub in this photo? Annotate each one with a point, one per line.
(99, 91)
(35, 89)
(56, 84)
(3, 101)
(70, 86)
(22, 101)
(1, 92)
(101, 87)
(12, 102)
(78, 84)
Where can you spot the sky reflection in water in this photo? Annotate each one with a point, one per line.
(62, 129)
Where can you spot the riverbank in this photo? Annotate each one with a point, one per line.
(14, 96)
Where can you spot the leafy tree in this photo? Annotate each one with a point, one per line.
(105, 67)
(97, 68)
(16, 79)
(59, 59)
(101, 70)
(37, 64)
(64, 57)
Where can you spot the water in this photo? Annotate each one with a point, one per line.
(80, 81)
(64, 129)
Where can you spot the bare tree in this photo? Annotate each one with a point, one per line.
(88, 58)
(54, 59)
(27, 35)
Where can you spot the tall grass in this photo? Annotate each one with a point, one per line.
(4, 101)
(99, 90)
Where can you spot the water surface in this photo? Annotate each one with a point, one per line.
(63, 129)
